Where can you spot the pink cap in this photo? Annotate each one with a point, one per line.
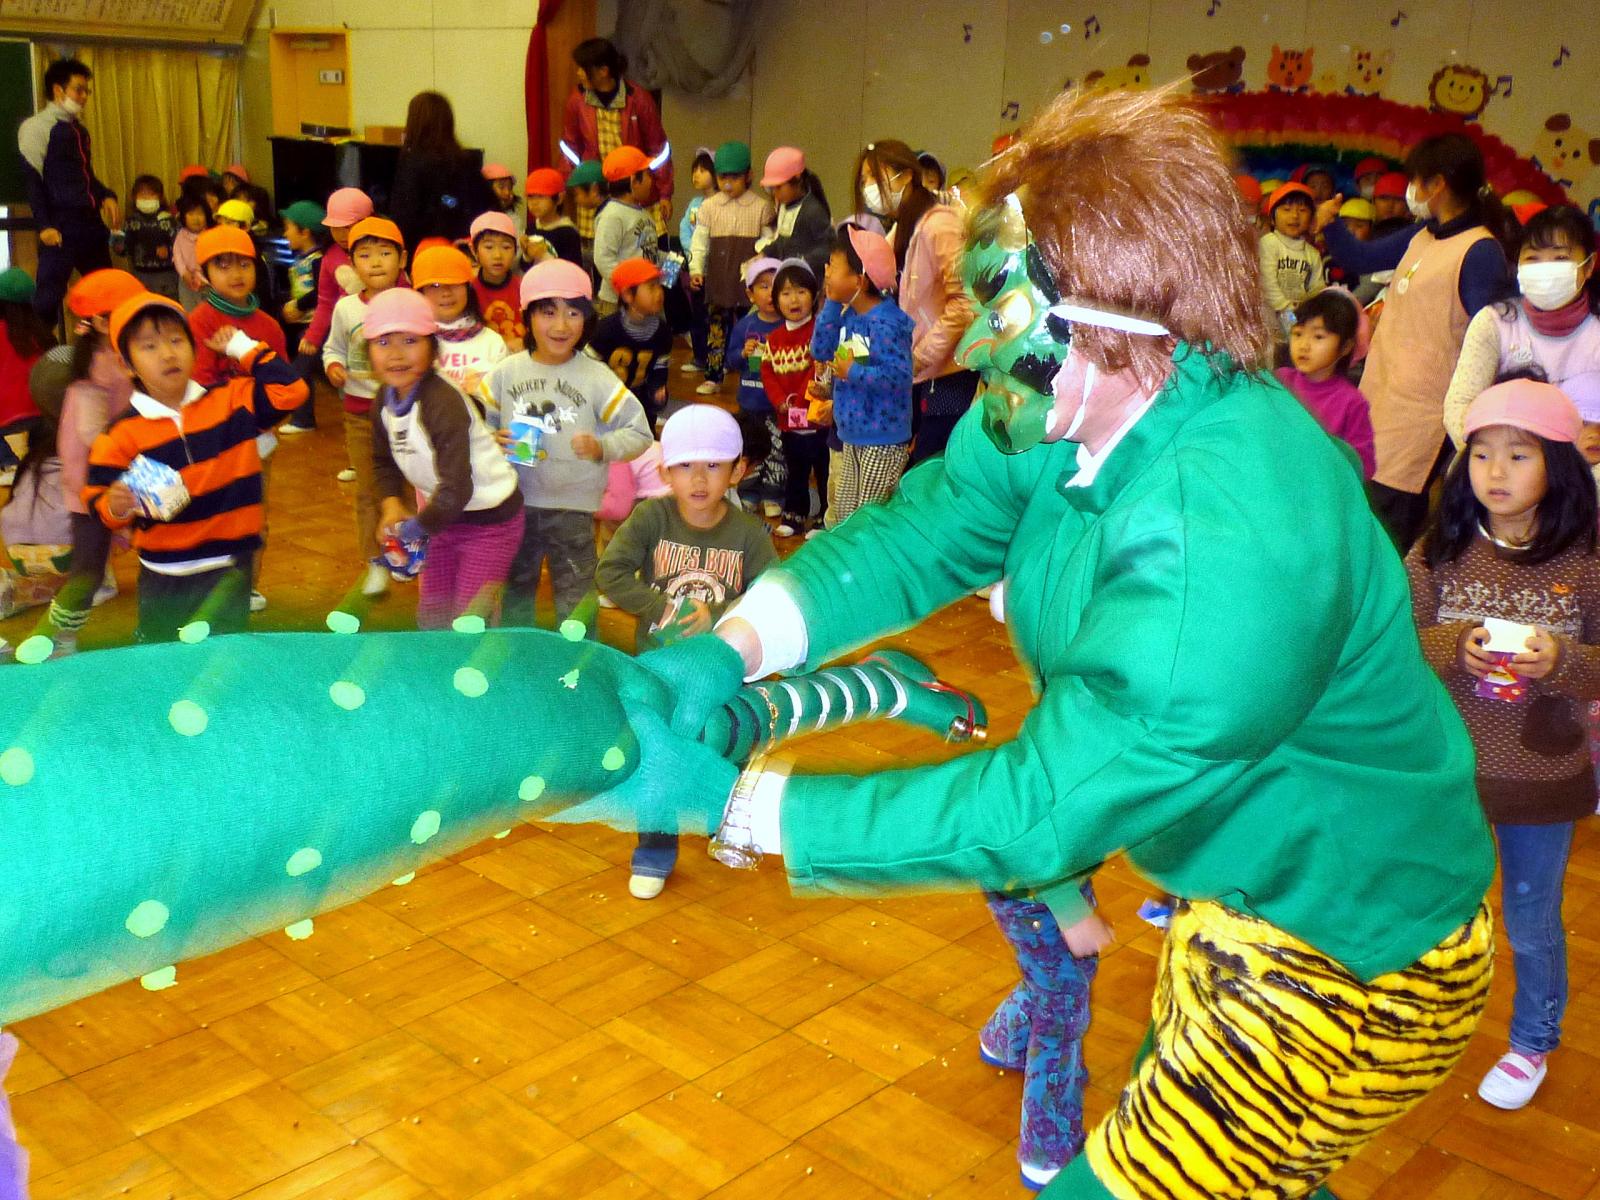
(555, 279)
(493, 171)
(1583, 389)
(492, 222)
(398, 310)
(876, 255)
(700, 433)
(239, 170)
(783, 164)
(347, 206)
(1538, 408)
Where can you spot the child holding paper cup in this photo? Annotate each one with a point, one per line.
(1505, 591)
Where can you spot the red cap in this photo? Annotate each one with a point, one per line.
(631, 272)
(98, 293)
(1371, 166)
(238, 170)
(1530, 210)
(546, 181)
(1249, 188)
(134, 305)
(1541, 409)
(1391, 183)
(1286, 190)
(377, 227)
(222, 239)
(624, 163)
(193, 171)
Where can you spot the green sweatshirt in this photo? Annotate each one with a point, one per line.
(657, 559)
(1230, 686)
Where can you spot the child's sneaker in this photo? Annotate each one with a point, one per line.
(708, 388)
(376, 582)
(258, 602)
(645, 887)
(811, 533)
(289, 428)
(348, 475)
(1513, 1080)
(787, 528)
(1036, 1179)
(106, 591)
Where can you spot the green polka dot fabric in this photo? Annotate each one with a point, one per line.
(255, 781)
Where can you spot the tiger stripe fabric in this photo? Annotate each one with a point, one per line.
(1273, 1065)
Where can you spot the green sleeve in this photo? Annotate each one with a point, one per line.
(943, 534)
(618, 574)
(1144, 719)
(1065, 900)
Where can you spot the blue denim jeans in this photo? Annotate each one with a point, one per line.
(1533, 867)
(656, 855)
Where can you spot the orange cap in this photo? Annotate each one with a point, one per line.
(440, 264)
(1284, 191)
(546, 181)
(377, 227)
(222, 239)
(98, 293)
(631, 272)
(428, 243)
(624, 163)
(133, 306)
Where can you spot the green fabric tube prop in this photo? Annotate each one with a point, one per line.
(162, 802)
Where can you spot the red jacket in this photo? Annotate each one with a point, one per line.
(641, 127)
(211, 368)
(16, 402)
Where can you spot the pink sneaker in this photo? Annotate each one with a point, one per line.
(1513, 1080)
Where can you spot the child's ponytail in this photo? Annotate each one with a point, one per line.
(814, 186)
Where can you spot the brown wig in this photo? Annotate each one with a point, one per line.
(431, 126)
(1133, 205)
(885, 159)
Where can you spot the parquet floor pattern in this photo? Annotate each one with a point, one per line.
(514, 1024)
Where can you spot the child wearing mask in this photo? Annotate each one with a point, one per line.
(146, 238)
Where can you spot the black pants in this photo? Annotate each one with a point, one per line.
(942, 402)
(308, 367)
(91, 548)
(805, 455)
(85, 246)
(169, 602)
(1405, 514)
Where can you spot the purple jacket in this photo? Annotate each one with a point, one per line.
(1339, 407)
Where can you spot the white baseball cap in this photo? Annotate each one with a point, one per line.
(700, 433)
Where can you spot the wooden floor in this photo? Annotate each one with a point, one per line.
(513, 1024)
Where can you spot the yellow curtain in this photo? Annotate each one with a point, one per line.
(156, 110)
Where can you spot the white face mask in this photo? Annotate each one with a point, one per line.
(71, 106)
(1549, 285)
(148, 205)
(873, 197)
(1419, 207)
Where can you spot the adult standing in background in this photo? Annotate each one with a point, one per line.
(929, 239)
(74, 211)
(605, 111)
(437, 189)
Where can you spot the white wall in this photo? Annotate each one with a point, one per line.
(471, 50)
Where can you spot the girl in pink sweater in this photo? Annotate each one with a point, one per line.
(1329, 334)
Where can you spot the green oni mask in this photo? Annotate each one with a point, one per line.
(1015, 342)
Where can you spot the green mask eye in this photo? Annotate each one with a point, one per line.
(1014, 342)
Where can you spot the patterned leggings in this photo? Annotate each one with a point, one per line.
(719, 323)
(864, 475)
(1038, 1029)
(1273, 1065)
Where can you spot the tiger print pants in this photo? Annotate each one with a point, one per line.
(1272, 1064)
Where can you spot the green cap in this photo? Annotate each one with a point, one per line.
(16, 285)
(307, 214)
(586, 173)
(731, 158)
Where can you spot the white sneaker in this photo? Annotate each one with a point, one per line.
(771, 508)
(692, 368)
(1513, 1080)
(376, 582)
(645, 887)
(257, 601)
(811, 533)
(708, 388)
(1037, 1178)
(289, 429)
(348, 475)
(785, 530)
(106, 591)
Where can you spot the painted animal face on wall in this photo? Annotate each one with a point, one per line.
(1219, 71)
(1564, 152)
(1135, 77)
(1289, 70)
(1461, 90)
(1014, 342)
(1369, 72)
